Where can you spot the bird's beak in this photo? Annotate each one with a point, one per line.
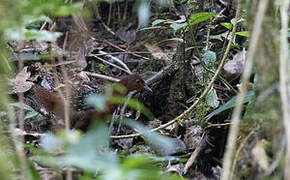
(147, 88)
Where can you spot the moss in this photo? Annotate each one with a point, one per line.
(201, 111)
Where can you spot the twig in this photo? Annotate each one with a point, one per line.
(217, 125)
(108, 29)
(278, 158)
(245, 78)
(123, 109)
(194, 155)
(67, 90)
(284, 81)
(65, 40)
(102, 76)
(159, 75)
(107, 62)
(110, 13)
(134, 54)
(223, 80)
(20, 145)
(116, 59)
(241, 147)
(130, 52)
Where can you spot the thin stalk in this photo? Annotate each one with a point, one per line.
(227, 161)
(284, 81)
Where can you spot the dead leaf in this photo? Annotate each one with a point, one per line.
(176, 168)
(84, 76)
(127, 36)
(235, 66)
(260, 155)
(20, 84)
(157, 52)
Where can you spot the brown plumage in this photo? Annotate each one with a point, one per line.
(53, 103)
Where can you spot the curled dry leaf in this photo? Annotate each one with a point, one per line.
(176, 168)
(20, 84)
(84, 76)
(235, 66)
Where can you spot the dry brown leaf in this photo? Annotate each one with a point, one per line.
(84, 76)
(20, 84)
(236, 65)
(157, 52)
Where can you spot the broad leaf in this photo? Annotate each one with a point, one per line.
(158, 21)
(230, 104)
(199, 17)
(243, 33)
(212, 98)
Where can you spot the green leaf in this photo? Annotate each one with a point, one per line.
(53, 7)
(199, 17)
(227, 25)
(67, 9)
(30, 115)
(243, 33)
(98, 101)
(51, 143)
(158, 21)
(212, 99)
(21, 105)
(177, 26)
(3, 113)
(88, 152)
(152, 138)
(230, 104)
(31, 34)
(148, 28)
(217, 37)
(41, 35)
(31, 112)
(234, 21)
(35, 22)
(137, 161)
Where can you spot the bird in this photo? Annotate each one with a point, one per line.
(81, 120)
